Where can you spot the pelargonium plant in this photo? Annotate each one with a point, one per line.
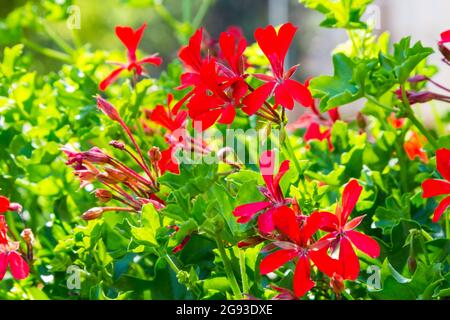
(199, 179)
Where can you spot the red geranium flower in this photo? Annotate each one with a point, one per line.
(272, 192)
(130, 38)
(414, 148)
(212, 100)
(170, 118)
(437, 187)
(343, 259)
(4, 204)
(275, 46)
(9, 255)
(192, 60)
(296, 242)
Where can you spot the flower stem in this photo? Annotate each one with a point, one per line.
(412, 117)
(378, 103)
(228, 268)
(347, 295)
(245, 286)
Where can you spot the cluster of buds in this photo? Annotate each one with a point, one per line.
(11, 254)
(120, 182)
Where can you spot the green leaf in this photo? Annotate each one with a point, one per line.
(146, 234)
(340, 14)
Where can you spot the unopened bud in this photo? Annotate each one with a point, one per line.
(412, 264)
(117, 144)
(28, 236)
(103, 195)
(155, 154)
(361, 121)
(92, 214)
(445, 51)
(16, 207)
(108, 109)
(250, 242)
(95, 155)
(117, 175)
(337, 283)
(418, 78)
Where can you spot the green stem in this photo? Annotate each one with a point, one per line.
(424, 249)
(228, 268)
(412, 117)
(201, 13)
(177, 270)
(378, 103)
(187, 7)
(57, 55)
(243, 269)
(290, 150)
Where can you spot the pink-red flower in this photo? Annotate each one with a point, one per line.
(295, 243)
(130, 39)
(275, 46)
(414, 148)
(338, 256)
(437, 187)
(10, 256)
(272, 192)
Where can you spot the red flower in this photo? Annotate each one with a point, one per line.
(192, 60)
(170, 118)
(414, 148)
(396, 122)
(275, 46)
(272, 192)
(445, 37)
(437, 187)
(9, 255)
(296, 243)
(314, 132)
(168, 161)
(4, 204)
(343, 260)
(130, 38)
(212, 100)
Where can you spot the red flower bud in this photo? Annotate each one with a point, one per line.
(93, 213)
(108, 109)
(28, 236)
(117, 175)
(337, 283)
(117, 144)
(16, 207)
(155, 154)
(103, 195)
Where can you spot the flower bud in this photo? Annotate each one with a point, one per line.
(361, 121)
(95, 155)
(105, 178)
(117, 175)
(92, 214)
(103, 195)
(445, 51)
(337, 283)
(418, 78)
(117, 144)
(250, 242)
(155, 154)
(412, 264)
(108, 109)
(16, 207)
(28, 236)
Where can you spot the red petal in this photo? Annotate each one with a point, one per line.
(352, 224)
(265, 222)
(18, 266)
(435, 187)
(4, 204)
(152, 60)
(445, 36)
(284, 167)
(283, 97)
(443, 162)
(440, 209)
(275, 260)
(266, 166)
(110, 78)
(228, 115)
(329, 221)
(246, 212)
(302, 277)
(299, 92)
(130, 39)
(322, 260)
(168, 161)
(350, 196)
(313, 223)
(3, 264)
(285, 36)
(255, 100)
(348, 263)
(286, 222)
(364, 243)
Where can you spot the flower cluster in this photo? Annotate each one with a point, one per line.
(294, 233)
